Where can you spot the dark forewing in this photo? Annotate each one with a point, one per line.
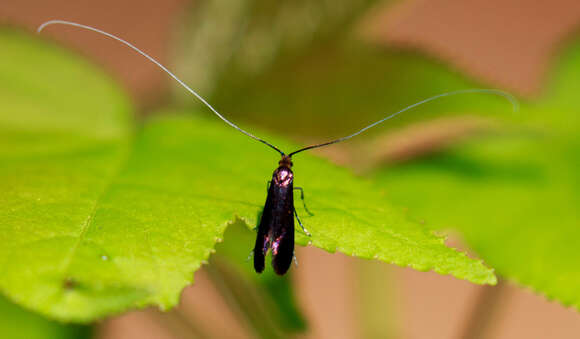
(262, 240)
(283, 242)
(282, 237)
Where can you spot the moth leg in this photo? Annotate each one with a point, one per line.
(303, 202)
(300, 223)
(268, 185)
(295, 259)
(250, 256)
(258, 218)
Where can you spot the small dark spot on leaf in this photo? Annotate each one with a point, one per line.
(69, 283)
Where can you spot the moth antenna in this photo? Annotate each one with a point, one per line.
(503, 94)
(70, 23)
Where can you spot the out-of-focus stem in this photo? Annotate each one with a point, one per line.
(484, 309)
(243, 300)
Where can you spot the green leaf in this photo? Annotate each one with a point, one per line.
(15, 322)
(350, 216)
(64, 129)
(96, 221)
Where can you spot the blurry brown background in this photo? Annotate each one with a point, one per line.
(416, 305)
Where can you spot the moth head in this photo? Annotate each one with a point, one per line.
(286, 161)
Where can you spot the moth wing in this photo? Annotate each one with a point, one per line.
(283, 243)
(262, 242)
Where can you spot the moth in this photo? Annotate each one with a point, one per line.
(276, 228)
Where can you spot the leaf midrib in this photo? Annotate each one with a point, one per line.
(126, 151)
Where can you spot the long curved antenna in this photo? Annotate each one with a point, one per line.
(506, 95)
(70, 23)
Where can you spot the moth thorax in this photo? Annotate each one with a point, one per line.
(283, 176)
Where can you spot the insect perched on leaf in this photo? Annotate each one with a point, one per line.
(276, 227)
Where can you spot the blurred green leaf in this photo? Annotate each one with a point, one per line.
(513, 195)
(17, 323)
(515, 201)
(43, 88)
(556, 109)
(343, 85)
(96, 221)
